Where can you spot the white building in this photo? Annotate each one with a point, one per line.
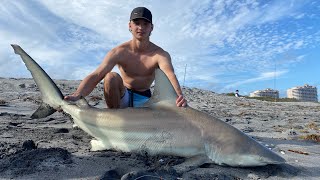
(265, 93)
(303, 93)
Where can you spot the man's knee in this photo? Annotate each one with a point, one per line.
(113, 89)
(112, 78)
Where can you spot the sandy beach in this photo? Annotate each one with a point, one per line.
(50, 148)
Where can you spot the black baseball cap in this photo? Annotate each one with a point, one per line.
(141, 12)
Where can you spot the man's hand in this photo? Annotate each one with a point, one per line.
(181, 101)
(73, 97)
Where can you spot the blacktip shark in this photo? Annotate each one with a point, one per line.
(160, 127)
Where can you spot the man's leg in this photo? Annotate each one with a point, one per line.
(113, 89)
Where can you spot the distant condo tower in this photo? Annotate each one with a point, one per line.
(265, 93)
(303, 93)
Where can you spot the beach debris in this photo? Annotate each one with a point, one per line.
(3, 102)
(267, 145)
(75, 126)
(247, 130)
(282, 152)
(14, 123)
(32, 86)
(313, 126)
(29, 145)
(298, 152)
(22, 85)
(253, 176)
(62, 130)
(32, 99)
(292, 132)
(270, 145)
(228, 120)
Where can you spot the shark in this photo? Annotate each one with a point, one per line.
(159, 127)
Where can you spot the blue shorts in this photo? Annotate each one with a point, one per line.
(134, 99)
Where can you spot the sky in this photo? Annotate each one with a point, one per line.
(219, 45)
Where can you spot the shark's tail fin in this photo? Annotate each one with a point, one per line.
(51, 95)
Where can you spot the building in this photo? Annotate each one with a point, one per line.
(303, 93)
(265, 93)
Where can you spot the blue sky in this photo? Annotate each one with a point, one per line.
(224, 44)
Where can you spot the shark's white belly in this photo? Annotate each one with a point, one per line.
(172, 141)
(153, 142)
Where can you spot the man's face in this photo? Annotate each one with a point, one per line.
(140, 28)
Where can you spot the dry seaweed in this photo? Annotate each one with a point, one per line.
(297, 151)
(312, 137)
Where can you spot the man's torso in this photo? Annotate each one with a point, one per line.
(137, 68)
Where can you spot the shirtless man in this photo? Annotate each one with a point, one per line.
(137, 60)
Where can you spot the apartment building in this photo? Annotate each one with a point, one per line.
(303, 93)
(265, 93)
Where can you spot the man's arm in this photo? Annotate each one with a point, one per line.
(166, 66)
(90, 82)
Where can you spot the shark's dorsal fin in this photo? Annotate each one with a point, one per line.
(164, 92)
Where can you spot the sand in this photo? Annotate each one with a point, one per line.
(50, 148)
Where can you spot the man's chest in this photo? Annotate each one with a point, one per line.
(138, 65)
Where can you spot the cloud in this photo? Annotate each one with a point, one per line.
(214, 39)
(261, 77)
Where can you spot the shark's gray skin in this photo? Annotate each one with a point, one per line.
(158, 128)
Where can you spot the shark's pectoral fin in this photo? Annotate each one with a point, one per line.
(213, 153)
(43, 111)
(191, 163)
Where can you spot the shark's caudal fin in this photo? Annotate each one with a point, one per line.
(163, 90)
(43, 111)
(51, 95)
